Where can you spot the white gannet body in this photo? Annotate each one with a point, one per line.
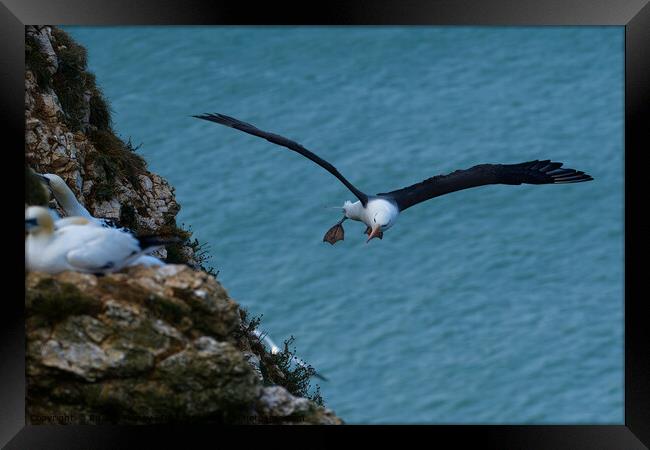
(78, 247)
(142, 260)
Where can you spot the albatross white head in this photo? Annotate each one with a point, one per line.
(380, 215)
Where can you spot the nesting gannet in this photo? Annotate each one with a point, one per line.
(77, 213)
(142, 260)
(379, 212)
(80, 247)
(274, 349)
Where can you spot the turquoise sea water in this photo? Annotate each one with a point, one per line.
(501, 304)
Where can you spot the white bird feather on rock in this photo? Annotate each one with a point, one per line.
(78, 247)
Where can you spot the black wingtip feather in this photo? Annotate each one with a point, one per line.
(569, 176)
(552, 172)
(575, 177)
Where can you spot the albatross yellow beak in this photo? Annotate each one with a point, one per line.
(375, 232)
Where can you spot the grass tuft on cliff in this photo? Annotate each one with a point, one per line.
(177, 254)
(37, 63)
(297, 379)
(279, 369)
(118, 160)
(100, 109)
(70, 80)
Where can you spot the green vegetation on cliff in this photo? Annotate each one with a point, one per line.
(279, 368)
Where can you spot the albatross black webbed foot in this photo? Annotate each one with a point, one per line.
(335, 233)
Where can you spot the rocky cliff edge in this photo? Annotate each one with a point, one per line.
(145, 345)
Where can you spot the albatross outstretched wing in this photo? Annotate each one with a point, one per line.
(280, 140)
(531, 172)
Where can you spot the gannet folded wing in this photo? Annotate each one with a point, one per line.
(109, 250)
(142, 260)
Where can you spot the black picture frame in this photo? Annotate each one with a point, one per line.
(634, 15)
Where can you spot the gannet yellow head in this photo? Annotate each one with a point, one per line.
(38, 221)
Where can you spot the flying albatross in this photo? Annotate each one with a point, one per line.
(379, 212)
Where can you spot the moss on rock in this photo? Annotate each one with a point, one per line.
(117, 159)
(53, 300)
(148, 345)
(70, 81)
(100, 110)
(37, 62)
